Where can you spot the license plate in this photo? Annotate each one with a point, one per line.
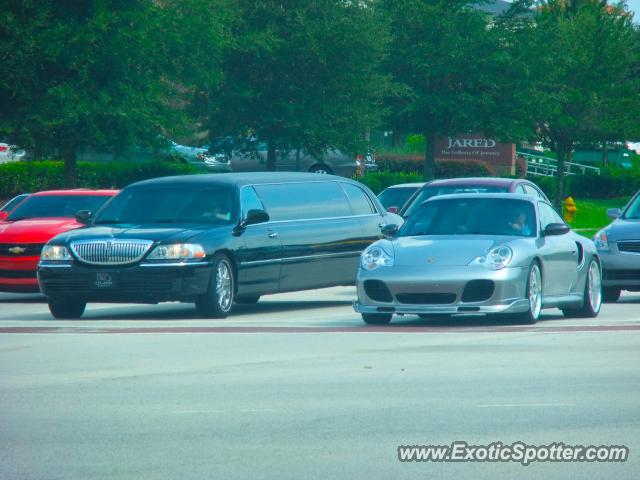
(104, 280)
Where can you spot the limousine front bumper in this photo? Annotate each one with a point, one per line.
(143, 283)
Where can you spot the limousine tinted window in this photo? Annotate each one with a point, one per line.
(170, 205)
(304, 200)
(360, 202)
(249, 200)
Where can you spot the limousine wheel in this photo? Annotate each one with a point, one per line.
(66, 308)
(376, 318)
(248, 299)
(217, 302)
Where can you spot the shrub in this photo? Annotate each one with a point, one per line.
(444, 168)
(19, 177)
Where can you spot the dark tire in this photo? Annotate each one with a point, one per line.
(610, 294)
(218, 300)
(321, 168)
(592, 297)
(376, 318)
(533, 294)
(248, 299)
(66, 309)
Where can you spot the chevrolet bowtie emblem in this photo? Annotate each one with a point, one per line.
(17, 250)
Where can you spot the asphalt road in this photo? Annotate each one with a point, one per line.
(297, 387)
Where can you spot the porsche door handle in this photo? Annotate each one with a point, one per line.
(273, 235)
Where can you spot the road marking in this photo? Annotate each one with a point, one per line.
(348, 329)
(520, 405)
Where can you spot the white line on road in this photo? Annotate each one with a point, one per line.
(518, 405)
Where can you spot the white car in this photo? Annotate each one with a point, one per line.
(634, 146)
(10, 153)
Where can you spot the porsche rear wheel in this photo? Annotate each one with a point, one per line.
(376, 318)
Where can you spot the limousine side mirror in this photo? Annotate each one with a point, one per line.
(83, 216)
(255, 216)
(556, 229)
(389, 230)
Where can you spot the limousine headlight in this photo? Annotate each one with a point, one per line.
(55, 253)
(375, 257)
(177, 251)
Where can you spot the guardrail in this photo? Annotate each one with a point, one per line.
(548, 167)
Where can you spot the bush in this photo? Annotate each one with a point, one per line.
(612, 182)
(19, 177)
(444, 168)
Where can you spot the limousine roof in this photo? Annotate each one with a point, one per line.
(239, 179)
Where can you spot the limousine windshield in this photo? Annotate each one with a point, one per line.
(170, 205)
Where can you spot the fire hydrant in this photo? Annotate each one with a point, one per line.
(570, 209)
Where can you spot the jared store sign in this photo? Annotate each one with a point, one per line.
(477, 147)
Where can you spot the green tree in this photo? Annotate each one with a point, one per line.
(103, 73)
(452, 71)
(588, 59)
(302, 74)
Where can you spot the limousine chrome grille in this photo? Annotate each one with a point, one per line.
(109, 251)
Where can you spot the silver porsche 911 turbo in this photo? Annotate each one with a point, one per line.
(505, 254)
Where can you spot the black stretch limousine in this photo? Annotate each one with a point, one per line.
(213, 240)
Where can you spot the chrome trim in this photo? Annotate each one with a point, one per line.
(109, 251)
(54, 265)
(176, 264)
(261, 262)
(293, 259)
(323, 255)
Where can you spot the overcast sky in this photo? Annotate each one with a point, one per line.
(635, 6)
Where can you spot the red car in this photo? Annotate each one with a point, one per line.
(33, 223)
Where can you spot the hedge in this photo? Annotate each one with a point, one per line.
(20, 177)
(613, 182)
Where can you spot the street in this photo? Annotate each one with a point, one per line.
(298, 387)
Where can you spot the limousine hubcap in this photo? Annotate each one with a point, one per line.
(224, 285)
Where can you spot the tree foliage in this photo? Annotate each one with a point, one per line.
(302, 74)
(102, 73)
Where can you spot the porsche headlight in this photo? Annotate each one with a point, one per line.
(601, 240)
(374, 257)
(496, 259)
(55, 253)
(177, 251)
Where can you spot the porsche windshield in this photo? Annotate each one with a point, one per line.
(170, 205)
(472, 216)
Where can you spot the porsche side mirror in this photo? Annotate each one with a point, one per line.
(3, 215)
(556, 229)
(389, 230)
(614, 213)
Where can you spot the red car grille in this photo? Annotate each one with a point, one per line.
(20, 249)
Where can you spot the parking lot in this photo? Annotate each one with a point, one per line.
(298, 387)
